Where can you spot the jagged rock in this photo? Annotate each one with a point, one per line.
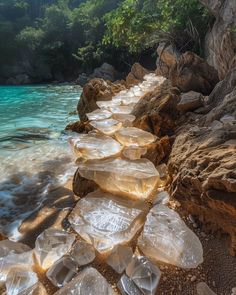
(51, 245)
(203, 289)
(124, 177)
(88, 282)
(106, 72)
(167, 238)
(119, 258)
(190, 101)
(220, 43)
(62, 271)
(136, 74)
(95, 146)
(107, 126)
(127, 287)
(144, 274)
(105, 220)
(96, 89)
(83, 253)
(82, 79)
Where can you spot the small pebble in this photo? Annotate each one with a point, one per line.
(193, 278)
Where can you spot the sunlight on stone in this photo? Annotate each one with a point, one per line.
(51, 245)
(127, 287)
(99, 115)
(162, 197)
(203, 289)
(105, 220)
(167, 238)
(121, 109)
(95, 146)
(108, 126)
(134, 152)
(144, 274)
(88, 282)
(136, 178)
(119, 258)
(107, 103)
(83, 253)
(125, 119)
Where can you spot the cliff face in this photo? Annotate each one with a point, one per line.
(220, 45)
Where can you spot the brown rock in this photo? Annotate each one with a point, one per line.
(136, 75)
(190, 101)
(82, 186)
(79, 127)
(159, 150)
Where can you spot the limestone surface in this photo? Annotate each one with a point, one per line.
(83, 253)
(119, 258)
(144, 274)
(127, 287)
(105, 220)
(88, 282)
(135, 178)
(132, 136)
(62, 271)
(167, 238)
(95, 146)
(51, 245)
(108, 126)
(99, 115)
(134, 152)
(203, 289)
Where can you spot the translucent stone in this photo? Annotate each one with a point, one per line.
(145, 274)
(105, 221)
(62, 271)
(203, 289)
(88, 282)
(131, 136)
(134, 152)
(108, 126)
(125, 119)
(99, 115)
(95, 146)
(121, 109)
(83, 253)
(162, 197)
(167, 238)
(127, 287)
(135, 178)
(37, 289)
(13, 254)
(20, 280)
(51, 245)
(126, 101)
(107, 103)
(119, 258)
(163, 171)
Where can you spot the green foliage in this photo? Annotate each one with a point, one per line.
(30, 37)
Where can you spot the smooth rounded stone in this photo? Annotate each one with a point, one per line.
(119, 258)
(167, 238)
(99, 115)
(144, 274)
(88, 282)
(162, 197)
(228, 119)
(136, 178)
(215, 125)
(83, 253)
(105, 220)
(107, 103)
(108, 126)
(95, 146)
(51, 245)
(127, 287)
(203, 289)
(131, 136)
(134, 152)
(20, 280)
(125, 119)
(62, 271)
(121, 109)
(14, 254)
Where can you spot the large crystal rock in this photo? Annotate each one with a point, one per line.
(136, 178)
(105, 220)
(203, 289)
(125, 119)
(162, 197)
(99, 115)
(62, 271)
(108, 126)
(122, 109)
(132, 136)
(127, 287)
(167, 238)
(83, 253)
(95, 146)
(144, 274)
(20, 280)
(88, 282)
(134, 152)
(37, 289)
(13, 254)
(51, 245)
(120, 257)
(107, 103)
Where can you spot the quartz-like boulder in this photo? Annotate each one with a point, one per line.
(167, 238)
(134, 152)
(136, 178)
(204, 289)
(119, 258)
(51, 245)
(127, 109)
(125, 119)
(83, 253)
(88, 282)
(108, 126)
(95, 146)
(99, 114)
(105, 220)
(132, 136)
(144, 274)
(127, 287)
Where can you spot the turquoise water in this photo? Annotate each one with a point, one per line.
(34, 152)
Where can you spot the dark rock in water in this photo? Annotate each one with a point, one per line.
(83, 186)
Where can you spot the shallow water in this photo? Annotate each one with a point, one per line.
(34, 153)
